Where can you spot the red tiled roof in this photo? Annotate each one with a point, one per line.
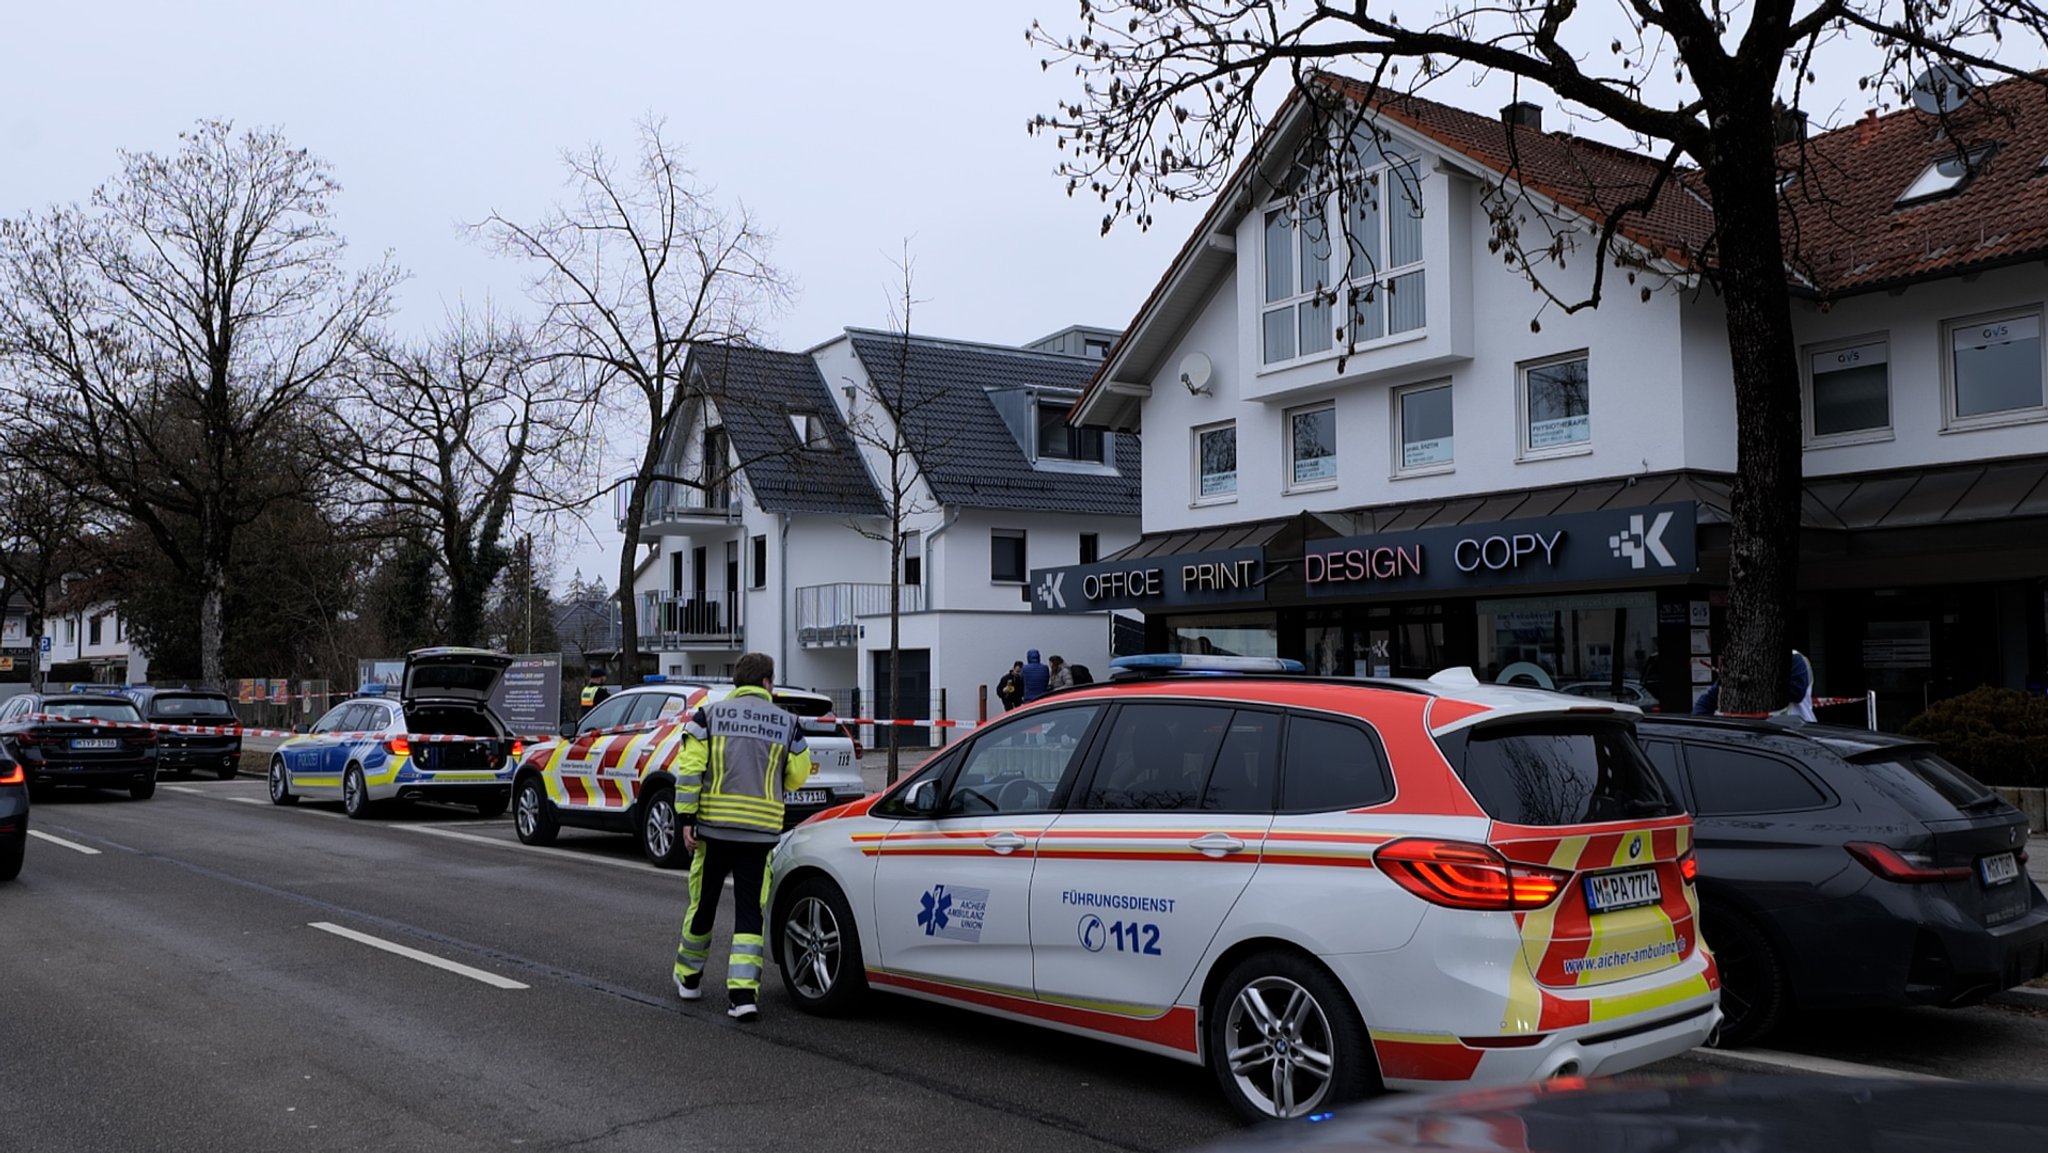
(1841, 216)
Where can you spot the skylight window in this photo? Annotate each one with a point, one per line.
(1947, 174)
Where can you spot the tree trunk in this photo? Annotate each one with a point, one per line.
(628, 672)
(213, 595)
(34, 631)
(1756, 662)
(895, 637)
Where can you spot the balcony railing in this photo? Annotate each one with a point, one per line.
(676, 620)
(676, 504)
(827, 616)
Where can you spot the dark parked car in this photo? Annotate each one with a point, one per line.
(217, 753)
(1843, 868)
(13, 815)
(92, 739)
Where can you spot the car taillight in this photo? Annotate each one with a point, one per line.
(518, 749)
(145, 737)
(398, 747)
(1911, 868)
(1460, 875)
(12, 774)
(1689, 867)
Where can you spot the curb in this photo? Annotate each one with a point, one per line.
(2021, 997)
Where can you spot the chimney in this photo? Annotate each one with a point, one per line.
(1522, 114)
(1789, 125)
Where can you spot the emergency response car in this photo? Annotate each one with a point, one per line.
(612, 771)
(369, 748)
(1316, 887)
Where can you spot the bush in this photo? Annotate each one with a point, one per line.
(1999, 736)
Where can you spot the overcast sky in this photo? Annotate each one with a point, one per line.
(847, 127)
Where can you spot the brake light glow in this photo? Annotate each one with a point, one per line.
(1689, 867)
(1460, 875)
(398, 747)
(518, 749)
(12, 775)
(1909, 868)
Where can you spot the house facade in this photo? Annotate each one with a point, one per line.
(961, 450)
(1373, 446)
(92, 645)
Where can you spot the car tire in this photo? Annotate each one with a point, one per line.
(493, 808)
(355, 793)
(280, 784)
(1754, 996)
(532, 817)
(817, 947)
(660, 840)
(1270, 1009)
(12, 849)
(142, 790)
(227, 771)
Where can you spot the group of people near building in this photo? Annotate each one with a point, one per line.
(1030, 678)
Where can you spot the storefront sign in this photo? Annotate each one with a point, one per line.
(1589, 546)
(1186, 580)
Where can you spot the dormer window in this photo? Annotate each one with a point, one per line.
(1946, 175)
(1058, 440)
(1359, 243)
(810, 430)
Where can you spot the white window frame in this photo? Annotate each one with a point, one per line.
(1196, 435)
(1399, 448)
(1859, 436)
(1343, 281)
(1317, 484)
(1950, 421)
(1524, 451)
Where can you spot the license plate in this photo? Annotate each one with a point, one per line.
(845, 759)
(1606, 892)
(806, 797)
(95, 742)
(1999, 869)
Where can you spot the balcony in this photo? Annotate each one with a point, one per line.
(827, 616)
(691, 620)
(677, 506)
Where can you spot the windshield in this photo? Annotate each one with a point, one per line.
(93, 710)
(167, 706)
(1562, 772)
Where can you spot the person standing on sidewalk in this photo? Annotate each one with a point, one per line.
(739, 756)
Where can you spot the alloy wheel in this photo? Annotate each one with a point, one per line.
(1279, 1047)
(526, 814)
(810, 943)
(659, 837)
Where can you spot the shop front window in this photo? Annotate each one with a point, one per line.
(1603, 647)
(1224, 634)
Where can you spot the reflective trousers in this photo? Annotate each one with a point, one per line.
(747, 864)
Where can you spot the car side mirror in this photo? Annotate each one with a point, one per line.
(302, 728)
(922, 798)
(567, 730)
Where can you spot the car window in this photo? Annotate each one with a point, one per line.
(1664, 758)
(331, 723)
(1559, 772)
(375, 718)
(1924, 784)
(606, 715)
(1018, 766)
(95, 711)
(647, 707)
(1157, 757)
(1247, 769)
(670, 705)
(212, 708)
(1332, 765)
(896, 803)
(1731, 782)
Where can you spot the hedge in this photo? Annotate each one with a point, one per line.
(1999, 736)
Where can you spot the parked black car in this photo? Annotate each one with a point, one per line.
(51, 736)
(13, 815)
(1843, 868)
(217, 753)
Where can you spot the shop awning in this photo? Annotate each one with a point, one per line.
(1708, 490)
(1944, 494)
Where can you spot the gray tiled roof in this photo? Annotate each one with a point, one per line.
(756, 390)
(964, 450)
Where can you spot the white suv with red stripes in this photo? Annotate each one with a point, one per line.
(1316, 887)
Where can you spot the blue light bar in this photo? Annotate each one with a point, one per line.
(1203, 663)
(374, 689)
(654, 679)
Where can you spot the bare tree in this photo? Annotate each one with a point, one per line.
(639, 265)
(42, 520)
(454, 436)
(1168, 107)
(175, 331)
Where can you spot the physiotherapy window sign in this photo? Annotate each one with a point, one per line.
(1610, 545)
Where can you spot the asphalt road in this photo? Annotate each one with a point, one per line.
(184, 987)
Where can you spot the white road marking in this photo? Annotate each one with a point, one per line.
(72, 845)
(451, 834)
(1805, 1064)
(414, 954)
(249, 800)
(185, 789)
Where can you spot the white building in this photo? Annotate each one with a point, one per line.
(788, 551)
(1464, 486)
(94, 641)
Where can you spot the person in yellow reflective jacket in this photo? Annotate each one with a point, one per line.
(739, 756)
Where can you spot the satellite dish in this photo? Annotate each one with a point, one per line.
(1195, 371)
(1941, 90)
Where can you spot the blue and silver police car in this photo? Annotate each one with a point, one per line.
(368, 749)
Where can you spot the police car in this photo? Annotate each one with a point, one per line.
(367, 748)
(612, 770)
(1317, 887)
